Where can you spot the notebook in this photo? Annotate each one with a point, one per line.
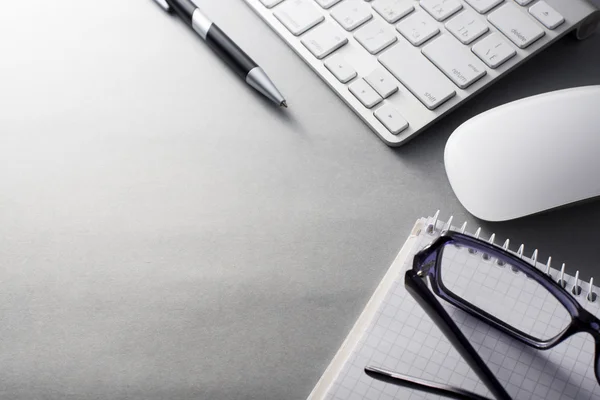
(395, 333)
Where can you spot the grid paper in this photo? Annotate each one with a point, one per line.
(402, 338)
(509, 296)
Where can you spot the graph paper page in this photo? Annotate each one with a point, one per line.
(401, 337)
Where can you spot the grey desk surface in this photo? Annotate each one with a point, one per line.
(165, 233)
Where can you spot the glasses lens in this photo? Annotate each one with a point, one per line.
(502, 291)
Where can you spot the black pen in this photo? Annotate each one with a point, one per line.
(239, 61)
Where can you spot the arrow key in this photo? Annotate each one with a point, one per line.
(339, 67)
(383, 83)
(391, 119)
(365, 93)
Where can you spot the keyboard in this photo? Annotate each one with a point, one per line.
(401, 65)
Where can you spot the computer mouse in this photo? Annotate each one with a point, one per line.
(528, 156)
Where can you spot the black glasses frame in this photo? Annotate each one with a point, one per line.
(427, 264)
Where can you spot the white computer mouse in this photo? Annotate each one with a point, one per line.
(528, 156)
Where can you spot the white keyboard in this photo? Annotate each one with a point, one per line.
(403, 64)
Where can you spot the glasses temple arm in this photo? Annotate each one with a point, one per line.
(421, 384)
(418, 289)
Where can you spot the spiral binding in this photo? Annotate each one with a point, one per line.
(576, 289)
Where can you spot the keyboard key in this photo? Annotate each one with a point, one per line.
(393, 10)
(483, 6)
(523, 2)
(391, 119)
(270, 3)
(418, 28)
(466, 27)
(365, 93)
(324, 40)
(546, 15)
(382, 82)
(418, 75)
(515, 25)
(327, 3)
(493, 50)
(375, 36)
(441, 9)
(298, 16)
(338, 66)
(455, 61)
(351, 14)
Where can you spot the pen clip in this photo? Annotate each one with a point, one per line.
(164, 5)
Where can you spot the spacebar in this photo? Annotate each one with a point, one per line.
(419, 75)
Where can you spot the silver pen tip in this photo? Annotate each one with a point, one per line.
(283, 104)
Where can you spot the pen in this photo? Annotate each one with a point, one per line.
(235, 57)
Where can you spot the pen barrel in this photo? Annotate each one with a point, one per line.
(185, 9)
(229, 51)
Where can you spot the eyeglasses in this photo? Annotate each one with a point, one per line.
(499, 288)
